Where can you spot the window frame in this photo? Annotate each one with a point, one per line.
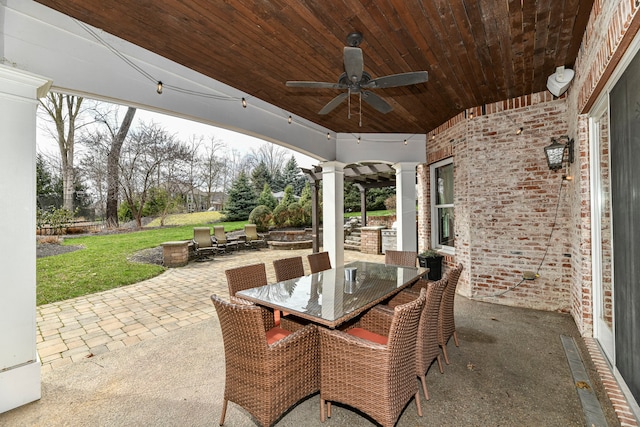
(435, 224)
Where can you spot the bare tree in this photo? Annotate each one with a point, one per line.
(212, 167)
(273, 156)
(146, 149)
(65, 112)
(102, 163)
(118, 135)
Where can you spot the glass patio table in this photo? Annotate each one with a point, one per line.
(328, 298)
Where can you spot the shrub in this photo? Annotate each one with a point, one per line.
(261, 217)
(125, 213)
(296, 215)
(280, 216)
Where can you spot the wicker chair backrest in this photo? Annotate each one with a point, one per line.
(319, 262)
(403, 258)
(246, 277)
(288, 268)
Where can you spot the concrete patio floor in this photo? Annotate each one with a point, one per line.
(152, 354)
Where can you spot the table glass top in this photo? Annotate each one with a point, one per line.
(328, 297)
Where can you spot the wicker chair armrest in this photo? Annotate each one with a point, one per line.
(404, 297)
(239, 301)
(267, 314)
(335, 338)
(290, 323)
(376, 320)
(308, 333)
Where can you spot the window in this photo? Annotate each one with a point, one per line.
(442, 213)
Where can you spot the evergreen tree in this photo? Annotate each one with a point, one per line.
(293, 176)
(242, 199)
(277, 181)
(288, 196)
(260, 176)
(305, 196)
(266, 198)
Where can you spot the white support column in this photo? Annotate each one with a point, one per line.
(333, 211)
(19, 362)
(406, 206)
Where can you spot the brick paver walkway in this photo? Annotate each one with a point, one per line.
(68, 331)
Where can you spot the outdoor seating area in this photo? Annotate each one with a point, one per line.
(173, 313)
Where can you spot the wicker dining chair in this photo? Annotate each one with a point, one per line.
(319, 262)
(376, 377)
(427, 347)
(288, 268)
(403, 258)
(446, 320)
(246, 277)
(267, 369)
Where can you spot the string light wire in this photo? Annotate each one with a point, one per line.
(146, 74)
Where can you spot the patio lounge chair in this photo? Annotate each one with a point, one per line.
(404, 258)
(267, 369)
(220, 237)
(319, 262)
(203, 244)
(367, 368)
(252, 239)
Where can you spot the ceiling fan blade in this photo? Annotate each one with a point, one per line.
(333, 103)
(353, 63)
(376, 102)
(395, 80)
(316, 85)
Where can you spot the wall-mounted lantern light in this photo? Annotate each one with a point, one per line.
(555, 152)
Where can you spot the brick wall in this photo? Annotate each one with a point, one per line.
(505, 201)
(370, 240)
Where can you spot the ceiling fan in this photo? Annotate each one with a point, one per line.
(356, 80)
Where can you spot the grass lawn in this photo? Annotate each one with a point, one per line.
(103, 264)
(370, 213)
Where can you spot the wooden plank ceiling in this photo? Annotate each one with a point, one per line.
(476, 51)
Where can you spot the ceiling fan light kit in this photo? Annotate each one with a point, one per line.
(356, 80)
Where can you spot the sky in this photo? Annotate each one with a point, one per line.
(184, 129)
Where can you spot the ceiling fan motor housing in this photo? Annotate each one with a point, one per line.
(354, 39)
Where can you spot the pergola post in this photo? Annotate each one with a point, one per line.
(363, 204)
(19, 362)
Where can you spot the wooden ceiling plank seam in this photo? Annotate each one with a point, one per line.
(434, 95)
(493, 38)
(503, 27)
(541, 40)
(517, 65)
(484, 85)
(432, 16)
(529, 26)
(553, 55)
(579, 26)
